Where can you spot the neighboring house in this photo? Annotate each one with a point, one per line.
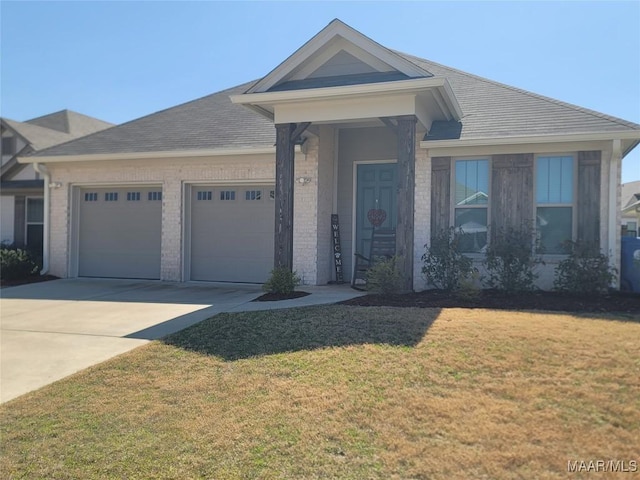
(631, 208)
(21, 187)
(200, 192)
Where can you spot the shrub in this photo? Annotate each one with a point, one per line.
(510, 260)
(384, 276)
(16, 263)
(445, 267)
(469, 290)
(282, 281)
(585, 271)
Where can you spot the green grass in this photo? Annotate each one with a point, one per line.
(342, 392)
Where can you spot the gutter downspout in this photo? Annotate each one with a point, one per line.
(42, 170)
(614, 231)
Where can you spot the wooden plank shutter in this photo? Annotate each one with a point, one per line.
(512, 190)
(589, 197)
(440, 194)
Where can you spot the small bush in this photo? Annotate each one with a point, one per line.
(16, 263)
(469, 290)
(585, 271)
(445, 267)
(510, 261)
(385, 277)
(282, 281)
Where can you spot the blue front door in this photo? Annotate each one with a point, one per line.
(375, 201)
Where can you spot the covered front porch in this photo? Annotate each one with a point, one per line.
(357, 111)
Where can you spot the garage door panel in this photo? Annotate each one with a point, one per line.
(232, 240)
(120, 238)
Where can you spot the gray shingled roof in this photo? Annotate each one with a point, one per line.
(38, 137)
(68, 121)
(209, 123)
(490, 109)
(630, 194)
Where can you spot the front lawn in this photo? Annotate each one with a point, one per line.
(343, 392)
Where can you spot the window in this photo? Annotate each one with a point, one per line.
(156, 196)
(471, 197)
(90, 197)
(133, 196)
(554, 198)
(111, 197)
(34, 223)
(227, 195)
(8, 145)
(253, 195)
(205, 195)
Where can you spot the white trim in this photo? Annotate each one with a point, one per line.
(26, 217)
(117, 184)
(46, 225)
(185, 248)
(452, 195)
(614, 183)
(414, 85)
(151, 155)
(553, 138)
(236, 182)
(332, 48)
(574, 198)
(335, 29)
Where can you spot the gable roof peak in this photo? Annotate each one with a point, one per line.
(334, 40)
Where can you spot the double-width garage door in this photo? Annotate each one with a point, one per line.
(232, 230)
(119, 232)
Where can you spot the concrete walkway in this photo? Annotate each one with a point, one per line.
(53, 329)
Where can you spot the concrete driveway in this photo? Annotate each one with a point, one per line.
(53, 329)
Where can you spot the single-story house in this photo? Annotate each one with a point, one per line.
(21, 188)
(227, 186)
(630, 201)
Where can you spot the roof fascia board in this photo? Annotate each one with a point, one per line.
(333, 48)
(451, 100)
(12, 167)
(151, 155)
(335, 28)
(568, 137)
(16, 132)
(271, 98)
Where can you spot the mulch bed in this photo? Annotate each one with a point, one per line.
(612, 303)
(23, 281)
(275, 297)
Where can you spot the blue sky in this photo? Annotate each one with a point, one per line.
(122, 60)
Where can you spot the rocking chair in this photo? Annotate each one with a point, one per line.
(383, 246)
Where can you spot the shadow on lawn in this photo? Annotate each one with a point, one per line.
(243, 335)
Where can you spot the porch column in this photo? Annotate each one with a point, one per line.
(286, 136)
(283, 245)
(406, 134)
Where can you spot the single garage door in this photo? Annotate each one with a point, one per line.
(232, 233)
(119, 232)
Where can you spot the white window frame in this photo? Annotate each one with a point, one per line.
(26, 217)
(574, 200)
(452, 196)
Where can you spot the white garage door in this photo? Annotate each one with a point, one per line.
(119, 232)
(232, 233)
